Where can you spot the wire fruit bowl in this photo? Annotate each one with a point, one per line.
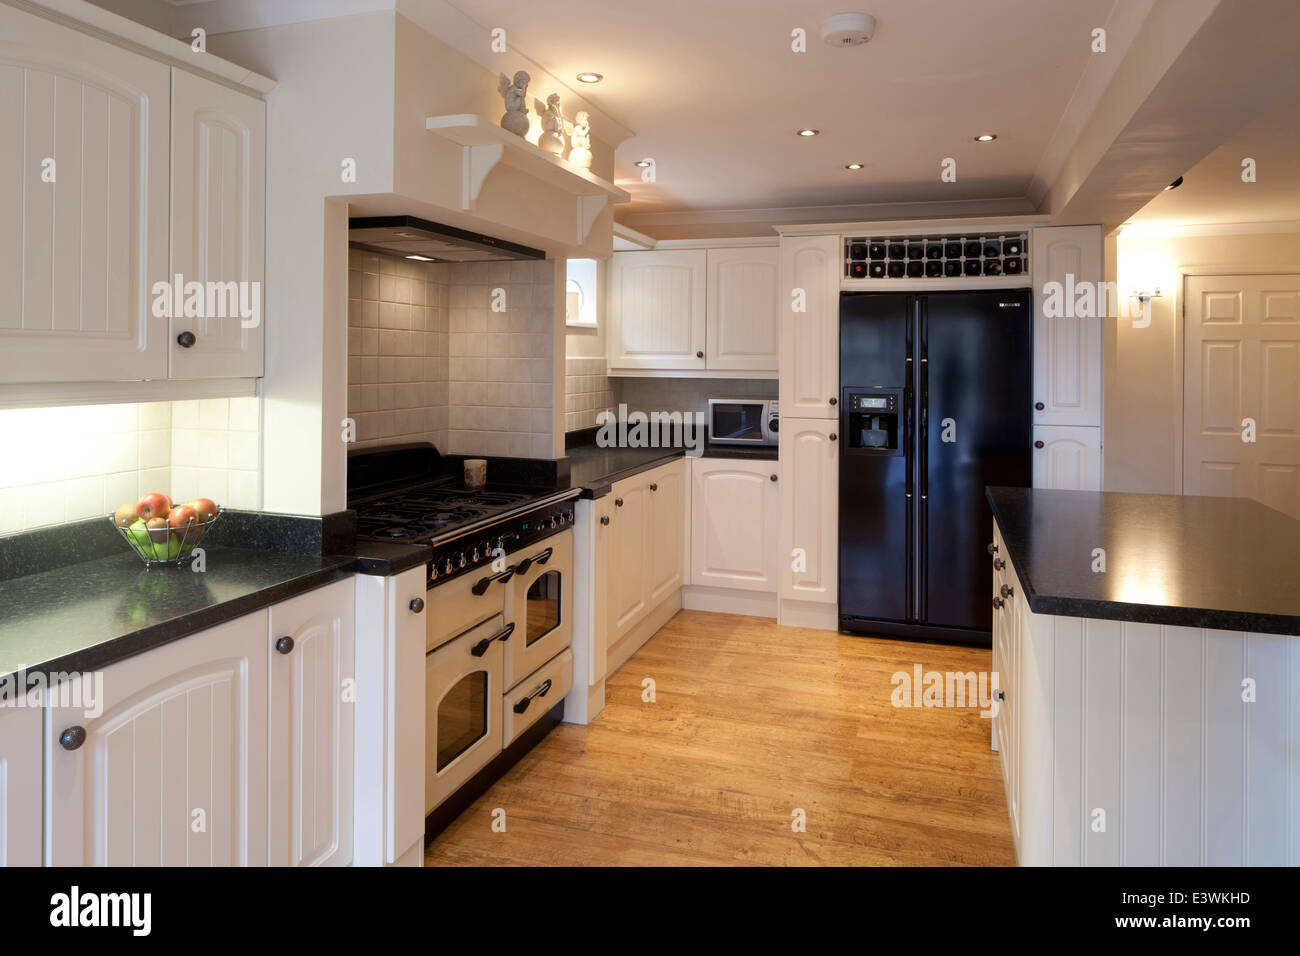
(160, 546)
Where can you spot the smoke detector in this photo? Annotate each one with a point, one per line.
(848, 29)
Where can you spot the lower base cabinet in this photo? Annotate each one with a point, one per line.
(20, 785)
(734, 523)
(219, 749)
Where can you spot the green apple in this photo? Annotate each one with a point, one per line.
(168, 550)
(138, 535)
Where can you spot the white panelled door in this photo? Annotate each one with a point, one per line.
(657, 308)
(808, 304)
(809, 511)
(1067, 348)
(742, 309)
(218, 231)
(1067, 457)
(173, 769)
(83, 205)
(734, 522)
(1242, 367)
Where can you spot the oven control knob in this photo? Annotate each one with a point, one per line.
(460, 560)
(446, 565)
(551, 523)
(473, 557)
(433, 571)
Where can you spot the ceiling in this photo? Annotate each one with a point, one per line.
(715, 95)
(1213, 191)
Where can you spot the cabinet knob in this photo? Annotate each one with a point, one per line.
(618, 502)
(834, 436)
(416, 605)
(72, 738)
(773, 477)
(1006, 591)
(998, 602)
(699, 355)
(186, 339)
(284, 644)
(604, 519)
(834, 400)
(1039, 406)
(653, 486)
(999, 564)
(1000, 695)
(1038, 444)
(992, 548)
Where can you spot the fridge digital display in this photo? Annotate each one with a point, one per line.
(873, 403)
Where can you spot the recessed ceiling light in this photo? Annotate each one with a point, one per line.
(643, 163)
(986, 137)
(421, 258)
(809, 132)
(1175, 184)
(590, 77)
(853, 166)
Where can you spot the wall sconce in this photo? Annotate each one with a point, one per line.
(1143, 296)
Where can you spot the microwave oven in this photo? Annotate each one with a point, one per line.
(743, 421)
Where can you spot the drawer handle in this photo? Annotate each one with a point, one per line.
(998, 602)
(72, 738)
(503, 635)
(999, 564)
(284, 645)
(540, 558)
(1006, 591)
(481, 584)
(522, 706)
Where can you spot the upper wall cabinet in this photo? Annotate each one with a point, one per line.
(1067, 347)
(694, 310)
(740, 321)
(83, 205)
(809, 308)
(218, 205)
(103, 154)
(656, 310)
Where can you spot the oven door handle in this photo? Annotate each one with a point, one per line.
(522, 706)
(540, 558)
(481, 585)
(479, 649)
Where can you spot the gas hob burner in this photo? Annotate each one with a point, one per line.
(399, 531)
(451, 515)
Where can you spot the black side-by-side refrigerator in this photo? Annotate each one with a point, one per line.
(935, 405)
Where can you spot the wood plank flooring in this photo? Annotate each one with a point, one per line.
(751, 721)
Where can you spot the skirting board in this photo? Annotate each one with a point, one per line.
(729, 601)
(822, 617)
(619, 653)
(580, 708)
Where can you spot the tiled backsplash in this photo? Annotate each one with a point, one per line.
(397, 350)
(587, 392)
(431, 359)
(686, 394)
(68, 463)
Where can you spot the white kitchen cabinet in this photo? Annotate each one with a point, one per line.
(808, 297)
(742, 331)
(173, 771)
(83, 212)
(20, 786)
(1067, 348)
(311, 728)
(218, 208)
(734, 523)
(808, 554)
(656, 309)
(647, 547)
(1067, 457)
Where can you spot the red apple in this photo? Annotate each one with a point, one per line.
(125, 516)
(157, 530)
(153, 505)
(206, 509)
(180, 517)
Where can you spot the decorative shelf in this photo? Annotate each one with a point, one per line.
(484, 145)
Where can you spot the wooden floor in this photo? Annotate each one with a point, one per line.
(750, 722)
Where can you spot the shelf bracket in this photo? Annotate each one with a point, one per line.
(589, 207)
(476, 163)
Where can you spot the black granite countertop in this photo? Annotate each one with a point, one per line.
(595, 469)
(87, 615)
(1225, 563)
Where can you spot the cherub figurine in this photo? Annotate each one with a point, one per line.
(515, 119)
(580, 141)
(552, 138)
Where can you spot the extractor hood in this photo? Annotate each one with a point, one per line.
(410, 236)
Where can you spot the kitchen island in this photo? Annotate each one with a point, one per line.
(1148, 675)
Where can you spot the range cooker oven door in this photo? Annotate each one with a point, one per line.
(463, 688)
(540, 604)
